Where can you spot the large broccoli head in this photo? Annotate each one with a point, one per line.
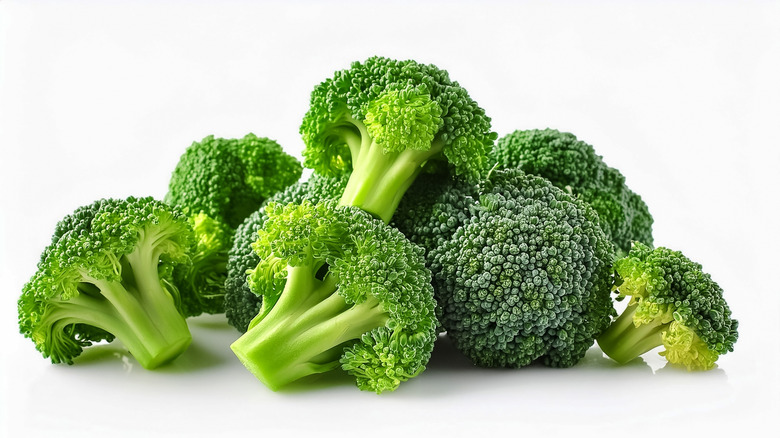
(673, 303)
(573, 165)
(527, 277)
(384, 121)
(106, 275)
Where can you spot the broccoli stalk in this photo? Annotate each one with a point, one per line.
(673, 304)
(311, 324)
(106, 275)
(384, 122)
(355, 293)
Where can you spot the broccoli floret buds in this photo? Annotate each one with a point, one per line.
(673, 303)
(573, 165)
(527, 277)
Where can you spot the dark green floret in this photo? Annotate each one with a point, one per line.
(218, 182)
(354, 294)
(433, 208)
(527, 277)
(106, 275)
(241, 304)
(573, 165)
(384, 122)
(672, 303)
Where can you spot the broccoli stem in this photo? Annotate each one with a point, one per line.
(379, 179)
(624, 341)
(305, 332)
(153, 333)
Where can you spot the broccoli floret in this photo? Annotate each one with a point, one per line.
(218, 183)
(339, 288)
(433, 208)
(241, 305)
(673, 303)
(384, 121)
(527, 277)
(573, 165)
(106, 275)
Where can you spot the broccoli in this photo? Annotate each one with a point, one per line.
(241, 305)
(384, 122)
(673, 303)
(107, 274)
(218, 183)
(339, 288)
(433, 208)
(527, 277)
(573, 165)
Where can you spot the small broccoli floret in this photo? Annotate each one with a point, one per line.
(340, 288)
(384, 121)
(573, 165)
(527, 277)
(673, 303)
(241, 304)
(106, 275)
(218, 183)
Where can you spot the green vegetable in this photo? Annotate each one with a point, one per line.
(106, 275)
(384, 122)
(340, 288)
(218, 183)
(527, 277)
(573, 165)
(673, 303)
(241, 305)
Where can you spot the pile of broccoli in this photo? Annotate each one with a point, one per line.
(416, 222)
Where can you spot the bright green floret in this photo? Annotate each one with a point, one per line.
(354, 294)
(673, 304)
(106, 275)
(527, 277)
(218, 182)
(573, 165)
(241, 304)
(384, 121)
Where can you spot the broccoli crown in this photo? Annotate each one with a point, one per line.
(106, 275)
(227, 179)
(383, 121)
(673, 303)
(241, 305)
(573, 165)
(218, 182)
(353, 292)
(527, 277)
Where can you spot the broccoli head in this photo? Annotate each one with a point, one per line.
(241, 304)
(384, 121)
(218, 183)
(573, 165)
(340, 288)
(106, 275)
(527, 277)
(673, 303)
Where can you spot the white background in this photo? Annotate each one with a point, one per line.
(99, 99)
